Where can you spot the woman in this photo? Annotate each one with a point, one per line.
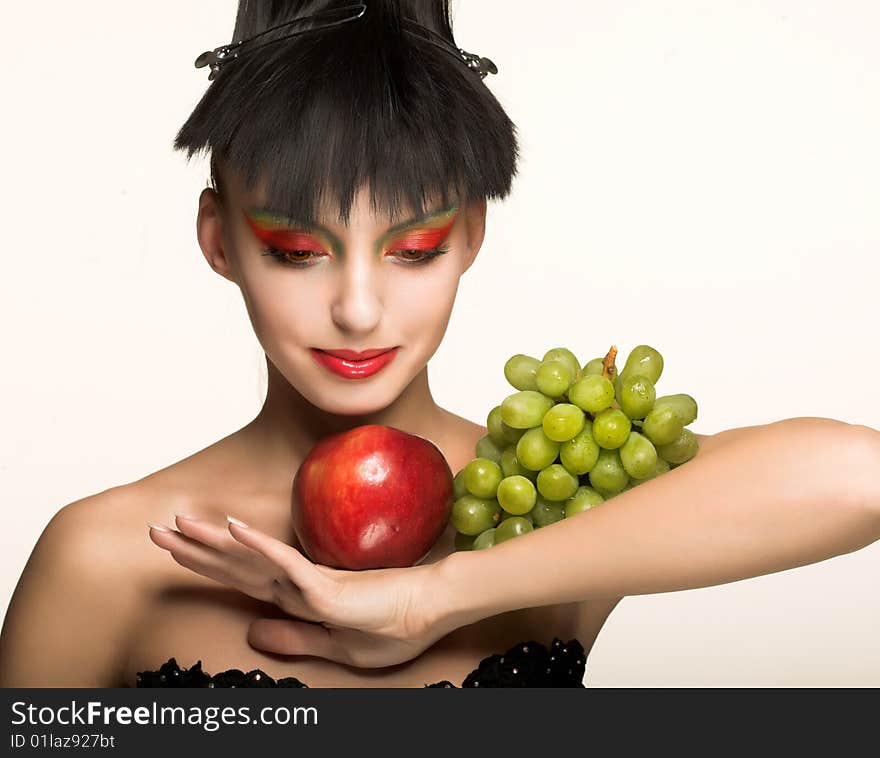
(350, 233)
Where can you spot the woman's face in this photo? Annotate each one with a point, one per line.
(368, 286)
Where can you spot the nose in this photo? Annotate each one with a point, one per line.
(357, 305)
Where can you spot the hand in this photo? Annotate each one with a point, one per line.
(368, 619)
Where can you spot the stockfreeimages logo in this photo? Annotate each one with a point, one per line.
(210, 718)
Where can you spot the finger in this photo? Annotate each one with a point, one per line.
(210, 563)
(299, 569)
(162, 535)
(214, 535)
(266, 582)
(288, 637)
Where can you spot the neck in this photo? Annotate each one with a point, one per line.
(288, 425)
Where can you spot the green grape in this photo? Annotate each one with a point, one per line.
(493, 424)
(510, 465)
(482, 477)
(484, 539)
(608, 494)
(525, 409)
(608, 475)
(516, 495)
(662, 425)
(520, 371)
(595, 367)
(635, 395)
(685, 407)
(680, 450)
(512, 527)
(464, 541)
(458, 488)
(644, 360)
(546, 512)
(638, 456)
(579, 454)
(472, 515)
(611, 428)
(553, 378)
(566, 356)
(593, 393)
(661, 467)
(582, 500)
(555, 483)
(563, 422)
(486, 448)
(535, 450)
(501, 433)
(526, 516)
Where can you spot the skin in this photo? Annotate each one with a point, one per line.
(726, 528)
(127, 606)
(98, 601)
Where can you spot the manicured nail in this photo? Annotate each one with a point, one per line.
(237, 522)
(186, 516)
(160, 527)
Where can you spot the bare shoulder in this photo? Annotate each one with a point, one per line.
(69, 616)
(460, 440)
(94, 570)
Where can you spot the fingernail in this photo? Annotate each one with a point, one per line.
(186, 516)
(160, 527)
(237, 522)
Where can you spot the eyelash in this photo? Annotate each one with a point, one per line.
(427, 256)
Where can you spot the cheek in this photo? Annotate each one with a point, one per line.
(282, 306)
(421, 301)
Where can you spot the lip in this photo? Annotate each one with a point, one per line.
(352, 364)
(354, 355)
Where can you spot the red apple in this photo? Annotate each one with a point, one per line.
(371, 497)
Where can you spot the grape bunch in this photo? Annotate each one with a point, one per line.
(570, 438)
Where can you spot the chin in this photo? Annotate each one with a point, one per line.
(354, 397)
(369, 403)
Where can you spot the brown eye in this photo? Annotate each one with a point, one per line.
(297, 256)
(293, 257)
(418, 256)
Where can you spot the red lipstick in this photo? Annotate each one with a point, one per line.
(352, 364)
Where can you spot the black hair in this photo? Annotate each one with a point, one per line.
(364, 103)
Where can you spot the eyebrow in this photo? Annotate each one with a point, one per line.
(270, 214)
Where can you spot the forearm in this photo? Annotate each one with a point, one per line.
(773, 498)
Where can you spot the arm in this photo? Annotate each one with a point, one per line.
(755, 500)
(65, 622)
(763, 499)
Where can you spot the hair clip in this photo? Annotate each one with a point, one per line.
(217, 57)
(220, 55)
(478, 64)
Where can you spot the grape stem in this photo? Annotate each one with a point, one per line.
(608, 368)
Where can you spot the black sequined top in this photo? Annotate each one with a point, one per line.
(528, 664)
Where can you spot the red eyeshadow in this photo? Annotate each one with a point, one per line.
(284, 239)
(422, 239)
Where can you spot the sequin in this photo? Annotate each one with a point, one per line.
(527, 664)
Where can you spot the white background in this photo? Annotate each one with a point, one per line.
(698, 176)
